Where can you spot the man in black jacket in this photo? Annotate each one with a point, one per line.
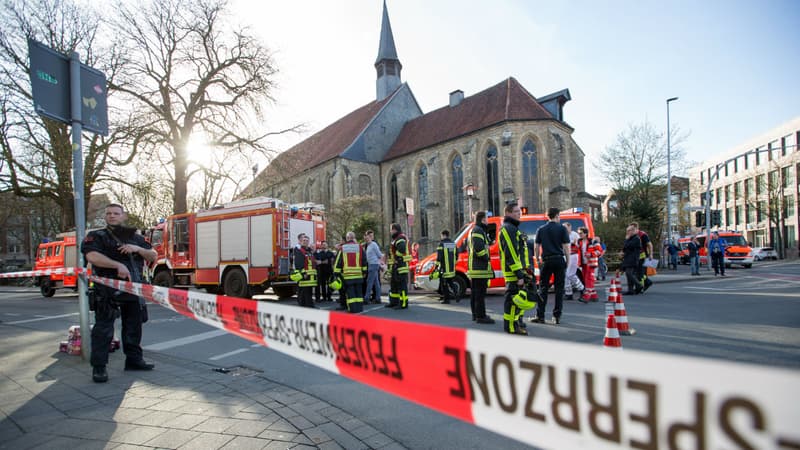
(552, 251)
(118, 252)
(631, 250)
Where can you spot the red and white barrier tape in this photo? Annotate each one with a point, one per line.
(545, 393)
(39, 273)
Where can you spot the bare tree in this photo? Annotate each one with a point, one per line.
(37, 153)
(636, 166)
(192, 71)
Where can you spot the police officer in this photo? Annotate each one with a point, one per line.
(351, 263)
(552, 250)
(446, 265)
(118, 252)
(514, 260)
(305, 272)
(479, 270)
(324, 259)
(399, 258)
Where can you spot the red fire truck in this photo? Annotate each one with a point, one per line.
(238, 249)
(57, 254)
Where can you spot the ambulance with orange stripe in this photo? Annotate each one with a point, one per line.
(238, 249)
(737, 252)
(528, 224)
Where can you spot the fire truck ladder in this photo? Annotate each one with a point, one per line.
(285, 233)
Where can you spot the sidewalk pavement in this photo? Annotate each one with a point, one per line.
(48, 401)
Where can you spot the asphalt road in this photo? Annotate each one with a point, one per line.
(751, 316)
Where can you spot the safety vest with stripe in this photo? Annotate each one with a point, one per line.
(304, 262)
(514, 254)
(400, 255)
(479, 260)
(349, 261)
(446, 258)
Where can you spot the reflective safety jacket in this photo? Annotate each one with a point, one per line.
(590, 253)
(399, 254)
(479, 259)
(351, 261)
(446, 258)
(514, 256)
(304, 262)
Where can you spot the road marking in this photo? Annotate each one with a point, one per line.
(41, 318)
(186, 340)
(225, 355)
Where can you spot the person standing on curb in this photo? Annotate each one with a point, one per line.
(514, 262)
(552, 247)
(631, 250)
(716, 249)
(694, 256)
(374, 258)
(571, 280)
(324, 260)
(399, 258)
(646, 253)
(118, 252)
(480, 269)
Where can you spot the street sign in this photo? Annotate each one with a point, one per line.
(50, 81)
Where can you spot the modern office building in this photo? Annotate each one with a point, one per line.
(755, 187)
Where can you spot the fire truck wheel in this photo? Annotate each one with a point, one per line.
(47, 289)
(163, 279)
(235, 284)
(460, 284)
(284, 291)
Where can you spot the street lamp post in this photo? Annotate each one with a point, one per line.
(469, 189)
(669, 178)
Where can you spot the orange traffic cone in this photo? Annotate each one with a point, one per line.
(612, 339)
(613, 291)
(622, 318)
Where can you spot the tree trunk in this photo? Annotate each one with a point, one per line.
(180, 179)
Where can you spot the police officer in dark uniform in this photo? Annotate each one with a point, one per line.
(324, 259)
(117, 252)
(552, 250)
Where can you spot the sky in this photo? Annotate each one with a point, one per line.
(734, 65)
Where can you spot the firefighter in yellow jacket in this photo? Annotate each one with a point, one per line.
(515, 262)
(446, 266)
(351, 265)
(399, 256)
(480, 268)
(305, 272)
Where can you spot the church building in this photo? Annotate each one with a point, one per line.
(477, 152)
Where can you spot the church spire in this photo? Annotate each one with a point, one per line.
(387, 65)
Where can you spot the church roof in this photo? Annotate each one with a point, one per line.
(326, 144)
(506, 101)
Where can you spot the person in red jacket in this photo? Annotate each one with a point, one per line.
(590, 256)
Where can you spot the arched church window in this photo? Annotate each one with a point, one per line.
(492, 182)
(395, 197)
(423, 201)
(530, 177)
(458, 192)
(329, 192)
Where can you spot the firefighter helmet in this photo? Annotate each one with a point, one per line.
(295, 275)
(521, 299)
(336, 283)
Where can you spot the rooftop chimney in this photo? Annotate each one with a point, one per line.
(456, 97)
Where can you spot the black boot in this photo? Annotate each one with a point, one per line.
(99, 374)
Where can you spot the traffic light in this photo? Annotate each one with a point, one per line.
(716, 218)
(699, 218)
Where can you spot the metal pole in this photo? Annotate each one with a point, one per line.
(77, 187)
(669, 178)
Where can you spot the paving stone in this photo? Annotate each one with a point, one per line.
(317, 435)
(185, 421)
(214, 425)
(378, 440)
(303, 439)
(283, 425)
(207, 441)
(330, 445)
(279, 445)
(364, 432)
(31, 423)
(246, 428)
(300, 422)
(140, 435)
(344, 438)
(172, 439)
(26, 441)
(168, 405)
(279, 435)
(139, 402)
(61, 443)
(156, 418)
(246, 443)
(394, 446)
(129, 415)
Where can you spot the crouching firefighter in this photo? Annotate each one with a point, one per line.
(399, 257)
(305, 272)
(351, 265)
(514, 260)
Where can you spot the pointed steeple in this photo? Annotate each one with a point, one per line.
(387, 65)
